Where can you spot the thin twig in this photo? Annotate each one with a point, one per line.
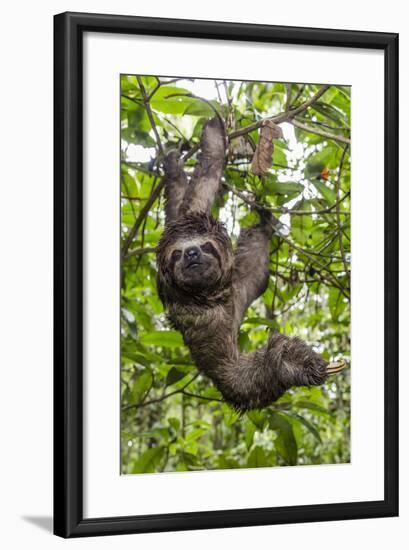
(141, 251)
(155, 192)
(188, 394)
(321, 133)
(150, 115)
(161, 398)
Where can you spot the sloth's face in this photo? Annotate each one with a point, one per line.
(195, 263)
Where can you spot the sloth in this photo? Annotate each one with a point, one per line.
(206, 286)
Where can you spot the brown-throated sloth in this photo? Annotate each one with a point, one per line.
(206, 287)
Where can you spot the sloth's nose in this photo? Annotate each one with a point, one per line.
(192, 253)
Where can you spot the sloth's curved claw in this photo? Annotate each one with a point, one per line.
(335, 367)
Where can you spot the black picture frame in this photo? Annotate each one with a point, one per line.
(68, 274)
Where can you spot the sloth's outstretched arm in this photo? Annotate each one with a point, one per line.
(175, 185)
(251, 263)
(208, 171)
(254, 381)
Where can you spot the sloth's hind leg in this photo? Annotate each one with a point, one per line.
(296, 363)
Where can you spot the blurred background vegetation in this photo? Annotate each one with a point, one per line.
(172, 418)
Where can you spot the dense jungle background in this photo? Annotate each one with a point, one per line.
(172, 418)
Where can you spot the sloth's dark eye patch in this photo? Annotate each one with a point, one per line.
(176, 255)
(208, 248)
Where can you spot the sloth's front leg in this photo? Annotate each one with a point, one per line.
(205, 182)
(251, 265)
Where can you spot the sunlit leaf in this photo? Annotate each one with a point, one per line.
(163, 338)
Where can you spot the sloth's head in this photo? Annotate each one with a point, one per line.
(195, 256)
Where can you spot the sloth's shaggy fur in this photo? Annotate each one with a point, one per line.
(206, 287)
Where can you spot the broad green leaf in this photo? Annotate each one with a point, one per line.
(260, 321)
(336, 303)
(163, 338)
(200, 108)
(171, 100)
(257, 458)
(174, 375)
(301, 225)
(327, 193)
(195, 434)
(148, 461)
(282, 188)
(310, 427)
(141, 385)
(174, 423)
(285, 442)
(258, 418)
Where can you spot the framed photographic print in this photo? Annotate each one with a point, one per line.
(226, 265)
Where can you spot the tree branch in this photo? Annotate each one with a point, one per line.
(159, 399)
(188, 394)
(285, 116)
(155, 192)
(282, 117)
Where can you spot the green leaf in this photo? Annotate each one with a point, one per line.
(301, 226)
(165, 100)
(285, 442)
(227, 463)
(131, 135)
(250, 431)
(328, 194)
(279, 156)
(174, 423)
(310, 427)
(244, 341)
(200, 108)
(258, 418)
(312, 406)
(129, 83)
(330, 112)
(128, 104)
(174, 375)
(336, 302)
(273, 187)
(163, 338)
(260, 321)
(257, 458)
(148, 461)
(195, 434)
(141, 386)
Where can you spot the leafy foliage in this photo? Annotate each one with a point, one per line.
(173, 418)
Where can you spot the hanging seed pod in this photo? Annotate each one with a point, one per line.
(263, 155)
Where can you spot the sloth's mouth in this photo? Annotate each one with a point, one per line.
(193, 265)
